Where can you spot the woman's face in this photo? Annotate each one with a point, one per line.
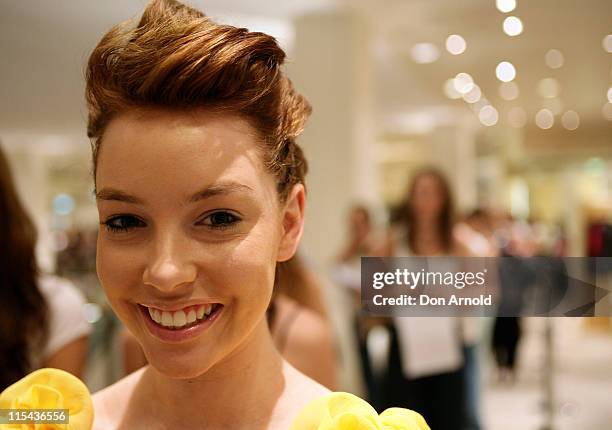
(427, 197)
(191, 230)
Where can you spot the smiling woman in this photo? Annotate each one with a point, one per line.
(199, 185)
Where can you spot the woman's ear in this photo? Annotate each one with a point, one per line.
(292, 222)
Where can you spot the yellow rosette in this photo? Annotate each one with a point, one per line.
(50, 389)
(345, 411)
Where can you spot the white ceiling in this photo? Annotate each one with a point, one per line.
(574, 27)
(44, 45)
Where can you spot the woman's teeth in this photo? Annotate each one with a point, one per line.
(182, 318)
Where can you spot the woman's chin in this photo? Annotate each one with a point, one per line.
(180, 372)
(179, 367)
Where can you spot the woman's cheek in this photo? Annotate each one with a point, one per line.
(117, 267)
(251, 270)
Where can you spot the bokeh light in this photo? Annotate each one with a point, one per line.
(505, 6)
(513, 26)
(455, 44)
(570, 120)
(554, 58)
(63, 204)
(463, 82)
(505, 71)
(544, 119)
(488, 116)
(473, 95)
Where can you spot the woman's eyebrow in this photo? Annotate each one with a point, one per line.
(117, 195)
(219, 189)
(223, 188)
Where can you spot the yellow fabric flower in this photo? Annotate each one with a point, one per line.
(50, 389)
(344, 411)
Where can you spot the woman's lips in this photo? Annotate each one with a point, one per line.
(180, 326)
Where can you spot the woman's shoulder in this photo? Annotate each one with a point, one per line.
(111, 402)
(300, 386)
(299, 391)
(311, 406)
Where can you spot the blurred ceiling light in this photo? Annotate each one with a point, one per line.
(455, 44)
(473, 95)
(554, 58)
(549, 88)
(508, 90)
(517, 117)
(513, 26)
(607, 111)
(450, 91)
(544, 119)
(425, 53)
(488, 116)
(607, 43)
(505, 71)
(463, 83)
(570, 120)
(610, 94)
(505, 6)
(63, 204)
(554, 105)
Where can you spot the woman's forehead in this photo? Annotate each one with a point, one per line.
(168, 148)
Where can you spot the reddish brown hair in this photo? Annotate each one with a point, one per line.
(24, 316)
(177, 58)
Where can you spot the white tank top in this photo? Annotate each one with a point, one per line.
(428, 345)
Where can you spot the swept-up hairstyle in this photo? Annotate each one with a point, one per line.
(176, 57)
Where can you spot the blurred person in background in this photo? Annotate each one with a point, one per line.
(41, 323)
(360, 241)
(298, 322)
(426, 364)
(347, 274)
(476, 234)
(516, 276)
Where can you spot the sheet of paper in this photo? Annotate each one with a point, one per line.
(429, 345)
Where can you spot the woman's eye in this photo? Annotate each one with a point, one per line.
(220, 220)
(123, 223)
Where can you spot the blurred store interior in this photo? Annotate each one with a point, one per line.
(511, 100)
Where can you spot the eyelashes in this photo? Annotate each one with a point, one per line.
(219, 221)
(122, 223)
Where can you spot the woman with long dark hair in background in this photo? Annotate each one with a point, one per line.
(40, 319)
(425, 359)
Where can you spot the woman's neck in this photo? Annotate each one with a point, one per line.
(240, 392)
(427, 238)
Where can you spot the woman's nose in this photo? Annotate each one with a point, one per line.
(170, 264)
